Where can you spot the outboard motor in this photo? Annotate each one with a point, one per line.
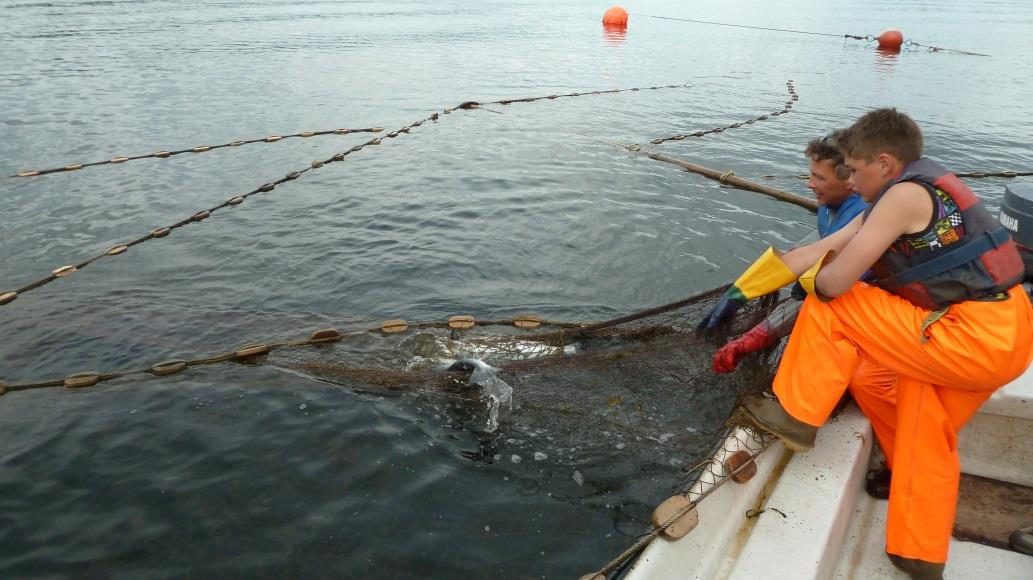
(1017, 216)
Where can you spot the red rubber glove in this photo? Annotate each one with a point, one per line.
(757, 338)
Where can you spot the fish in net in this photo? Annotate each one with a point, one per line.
(615, 413)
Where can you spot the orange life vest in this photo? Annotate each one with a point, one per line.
(964, 254)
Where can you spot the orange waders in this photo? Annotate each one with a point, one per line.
(874, 389)
(974, 349)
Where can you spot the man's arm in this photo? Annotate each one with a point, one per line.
(861, 243)
(800, 259)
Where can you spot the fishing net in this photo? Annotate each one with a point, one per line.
(617, 412)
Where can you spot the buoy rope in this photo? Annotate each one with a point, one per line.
(248, 353)
(164, 154)
(793, 97)
(567, 329)
(6, 297)
(866, 37)
(910, 43)
(253, 351)
(756, 27)
(972, 174)
(638, 546)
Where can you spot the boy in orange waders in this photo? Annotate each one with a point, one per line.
(943, 310)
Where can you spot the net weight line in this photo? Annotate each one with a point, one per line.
(253, 351)
(793, 97)
(165, 154)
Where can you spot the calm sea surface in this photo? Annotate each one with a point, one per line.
(244, 471)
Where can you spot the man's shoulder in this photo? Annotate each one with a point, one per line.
(854, 204)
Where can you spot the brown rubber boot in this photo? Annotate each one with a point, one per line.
(918, 569)
(768, 414)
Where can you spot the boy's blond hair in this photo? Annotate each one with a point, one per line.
(882, 131)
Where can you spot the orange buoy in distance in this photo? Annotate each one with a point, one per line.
(891, 39)
(616, 16)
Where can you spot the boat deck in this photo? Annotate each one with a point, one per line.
(817, 521)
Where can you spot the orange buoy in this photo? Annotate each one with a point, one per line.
(616, 16)
(891, 39)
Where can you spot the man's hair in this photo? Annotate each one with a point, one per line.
(827, 149)
(882, 131)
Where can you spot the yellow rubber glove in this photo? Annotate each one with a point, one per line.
(766, 275)
(809, 278)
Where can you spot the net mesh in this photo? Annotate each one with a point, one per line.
(595, 408)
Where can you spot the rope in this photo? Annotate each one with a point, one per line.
(551, 97)
(910, 43)
(163, 154)
(867, 37)
(793, 97)
(750, 514)
(6, 297)
(1009, 174)
(753, 27)
(972, 174)
(639, 545)
(582, 330)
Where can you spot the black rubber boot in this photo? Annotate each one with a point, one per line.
(768, 414)
(918, 569)
(877, 482)
(1022, 540)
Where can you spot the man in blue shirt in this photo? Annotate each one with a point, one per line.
(838, 204)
